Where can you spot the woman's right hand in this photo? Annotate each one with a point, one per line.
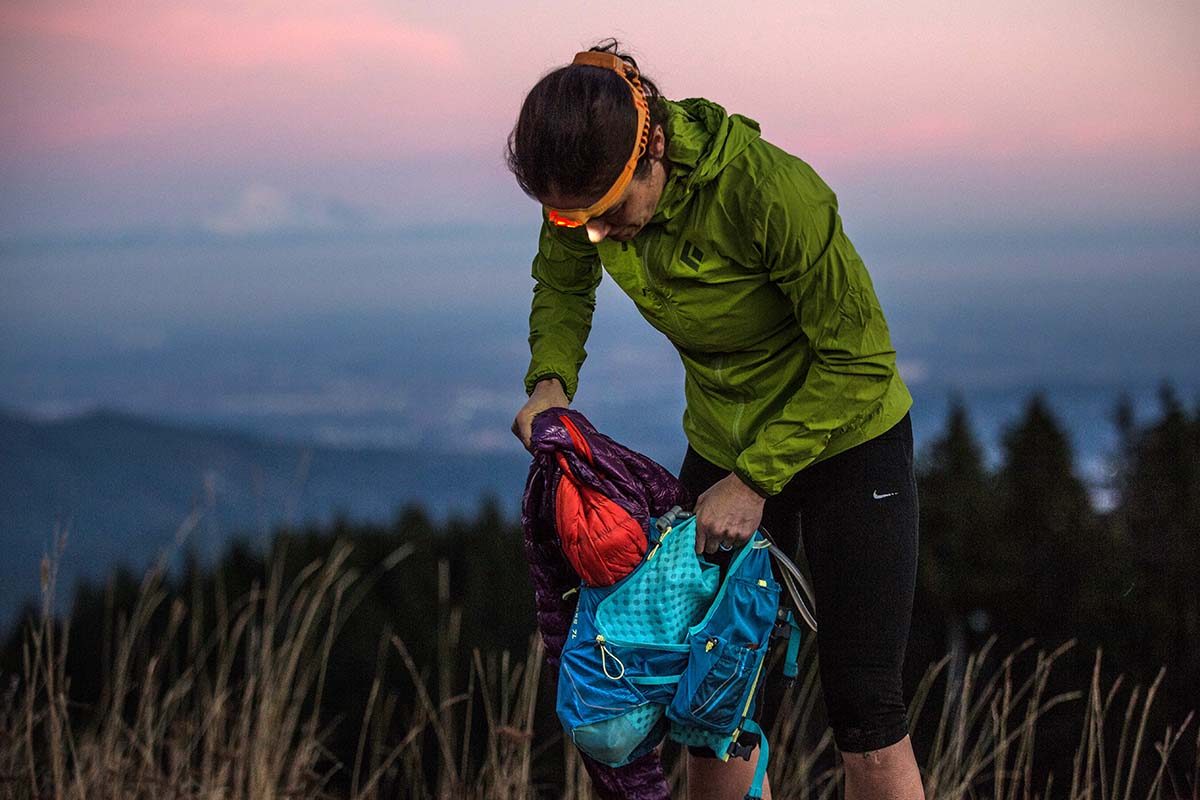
(548, 393)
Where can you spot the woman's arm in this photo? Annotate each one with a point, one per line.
(566, 272)
(800, 236)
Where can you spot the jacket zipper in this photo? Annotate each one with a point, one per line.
(649, 288)
(735, 437)
(737, 423)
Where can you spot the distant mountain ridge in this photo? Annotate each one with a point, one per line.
(123, 487)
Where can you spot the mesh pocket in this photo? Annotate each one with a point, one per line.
(666, 595)
(621, 739)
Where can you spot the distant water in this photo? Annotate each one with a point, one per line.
(417, 339)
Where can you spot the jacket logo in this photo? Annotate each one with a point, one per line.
(691, 255)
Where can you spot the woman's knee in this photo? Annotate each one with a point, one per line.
(866, 707)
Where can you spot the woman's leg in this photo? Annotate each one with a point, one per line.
(710, 778)
(859, 528)
(887, 774)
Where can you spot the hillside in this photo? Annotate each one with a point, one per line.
(123, 487)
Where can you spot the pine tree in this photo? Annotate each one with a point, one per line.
(1161, 510)
(960, 567)
(1046, 525)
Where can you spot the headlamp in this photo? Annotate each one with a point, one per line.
(573, 218)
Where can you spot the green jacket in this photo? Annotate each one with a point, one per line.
(745, 268)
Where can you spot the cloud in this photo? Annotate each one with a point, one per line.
(260, 209)
(208, 35)
(141, 339)
(250, 77)
(976, 109)
(914, 371)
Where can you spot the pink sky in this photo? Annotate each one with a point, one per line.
(396, 108)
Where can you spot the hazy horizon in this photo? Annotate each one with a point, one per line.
(375, 340)
(293, 218)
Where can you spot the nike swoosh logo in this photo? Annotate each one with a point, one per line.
(879, 496)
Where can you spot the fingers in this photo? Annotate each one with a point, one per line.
(709, 538)
(522, 428)
(701, 526)
(727, 515)
(547, 394)
(712, 537)
(710, 533)
(711, 541)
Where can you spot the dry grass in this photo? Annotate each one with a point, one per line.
(236, 716)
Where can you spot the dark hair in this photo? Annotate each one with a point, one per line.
(576, 129)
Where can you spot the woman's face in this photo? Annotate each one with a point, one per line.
(634, 208)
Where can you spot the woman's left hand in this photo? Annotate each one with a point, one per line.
(727, 514)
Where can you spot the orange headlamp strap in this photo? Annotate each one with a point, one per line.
(573, 218)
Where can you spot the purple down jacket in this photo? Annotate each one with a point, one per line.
(639, 485)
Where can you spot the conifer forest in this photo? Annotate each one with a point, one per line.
(399, 659)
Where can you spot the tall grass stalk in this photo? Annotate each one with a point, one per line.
(235, 717)
(230, 708)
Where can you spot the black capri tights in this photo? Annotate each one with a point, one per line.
(859, 515)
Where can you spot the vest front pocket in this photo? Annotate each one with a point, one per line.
(725, 654)
(713, 692)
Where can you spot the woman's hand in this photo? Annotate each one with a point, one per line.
(548, 393)
(728, 513)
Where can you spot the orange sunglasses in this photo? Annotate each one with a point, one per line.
(573, 218)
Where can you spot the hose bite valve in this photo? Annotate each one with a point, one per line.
(668, 520)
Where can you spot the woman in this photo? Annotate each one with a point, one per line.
(734, 250)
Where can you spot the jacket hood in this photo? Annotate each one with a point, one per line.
(701, 140)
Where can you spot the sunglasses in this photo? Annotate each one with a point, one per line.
(575, 217)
